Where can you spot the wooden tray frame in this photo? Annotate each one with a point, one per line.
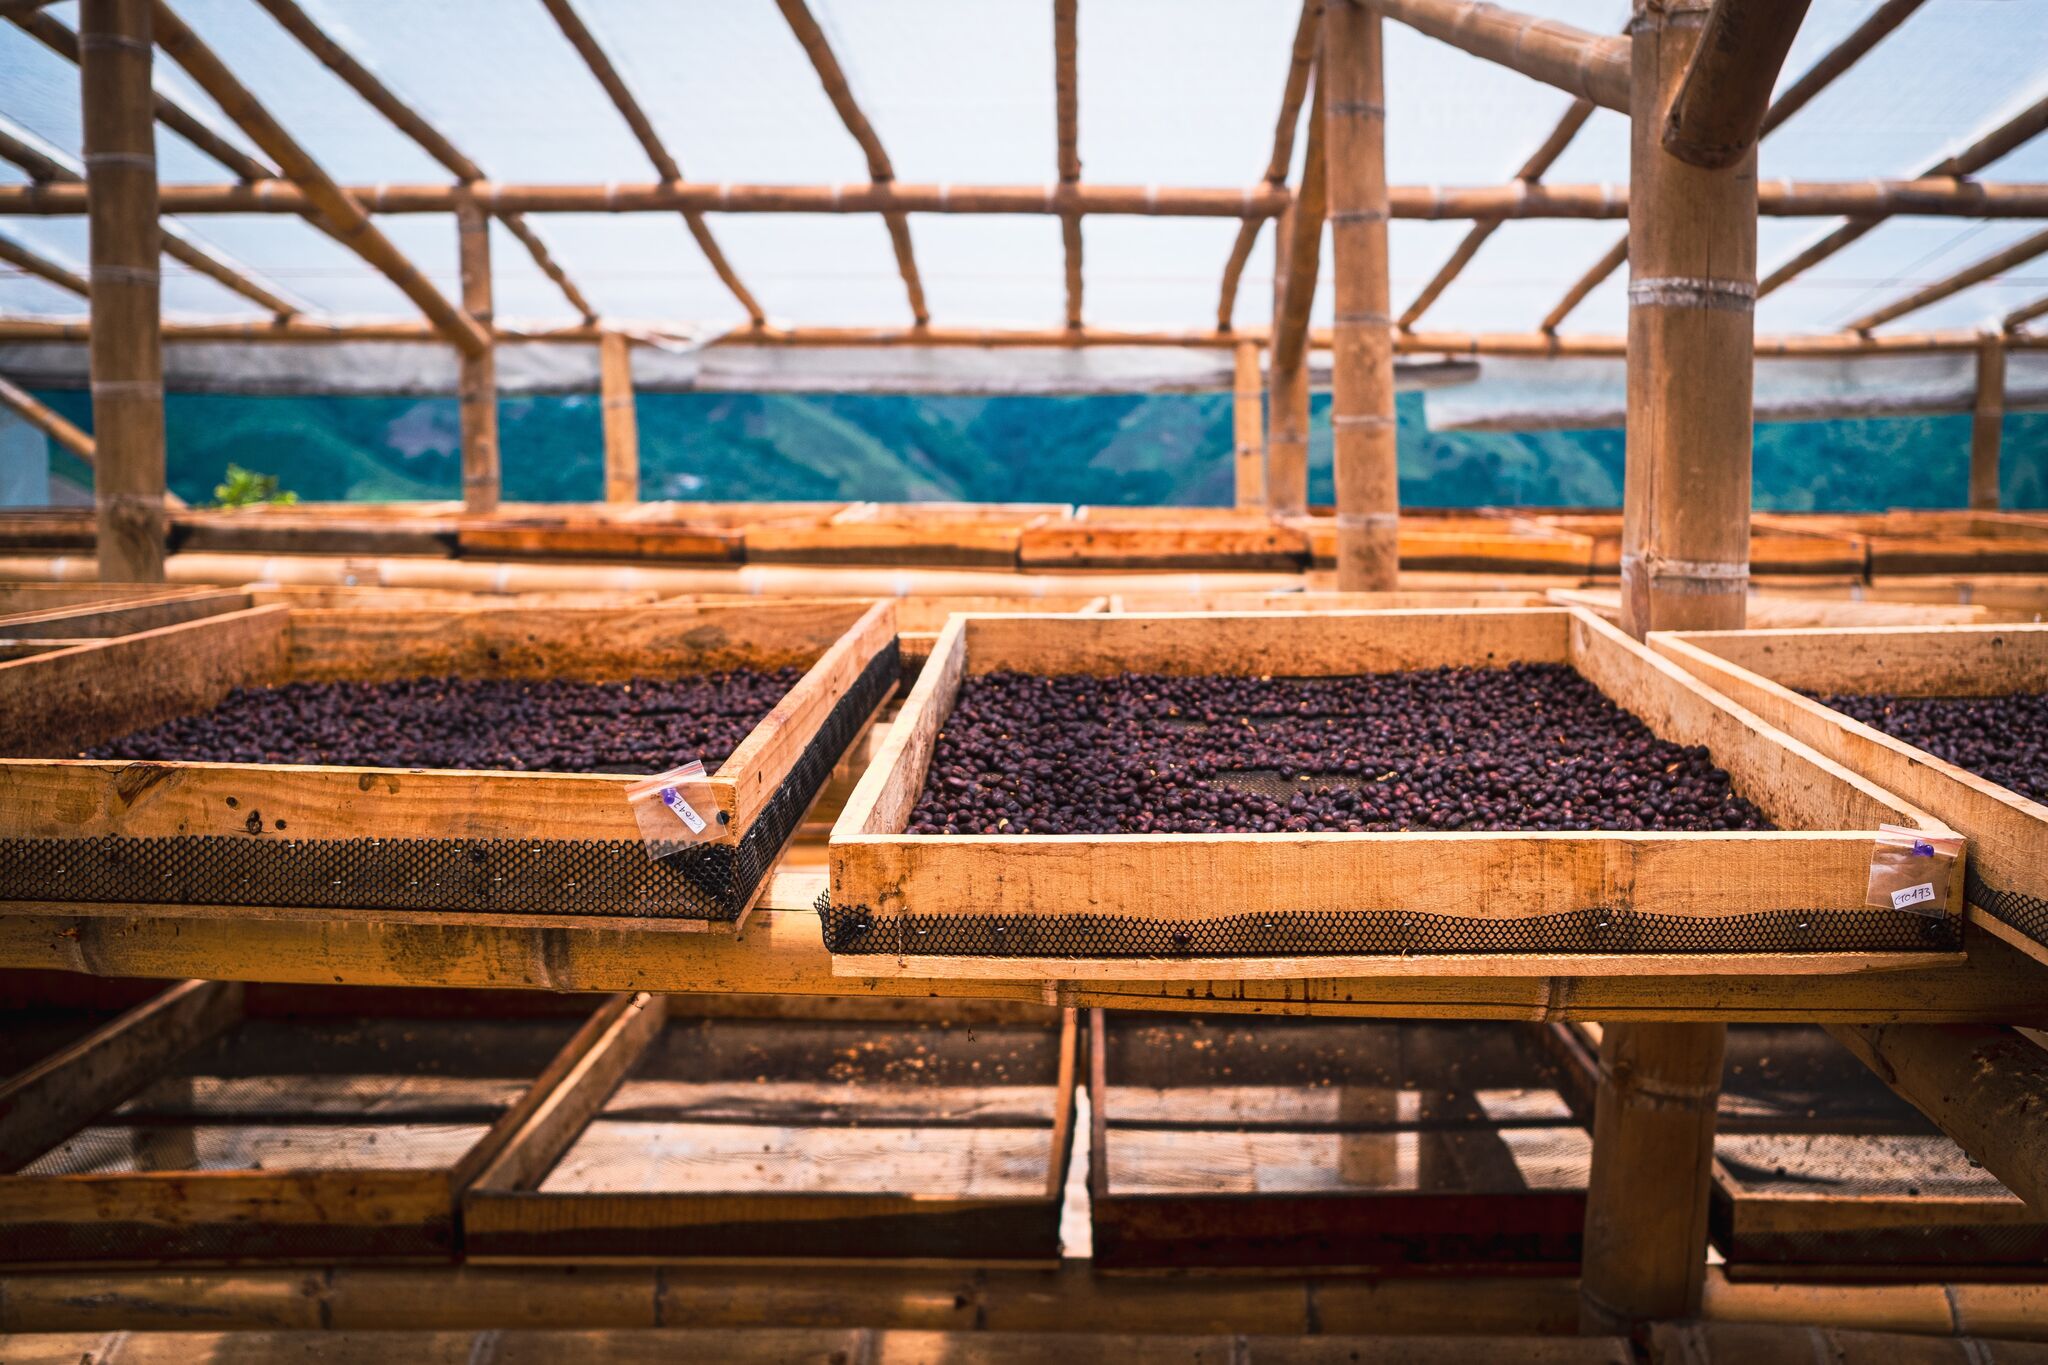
(60, 702)
(303, 1214)
(506, 1217)
(1760, 670)
(1818, 858)
(1397, 1233)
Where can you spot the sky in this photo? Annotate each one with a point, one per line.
(1172, 93)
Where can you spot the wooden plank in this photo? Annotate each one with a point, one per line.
(1217, 540)
(883, 798)
(60, 1094)
(566, 1096)
(1077, 970)
(130, 618)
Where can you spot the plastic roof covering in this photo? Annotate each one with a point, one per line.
(1172, 92)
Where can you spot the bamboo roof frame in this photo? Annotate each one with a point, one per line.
(1882, 22)
(30, 262)
(585, 42)
(1300, 61)
(2019, 253)
(1067, 109)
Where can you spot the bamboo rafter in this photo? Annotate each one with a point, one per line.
(46, 164)
(1579, 63)
(30, 262)
(409, 121)
(593, 54)
(1067, 98)
(2019, 253)
(1719, 110)
(1838, 59)
(2020, 316)
(2006, 137)
(342, 213)
(811, 37)
(1300, 60)
(45, 419)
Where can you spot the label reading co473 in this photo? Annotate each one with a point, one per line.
(687, 813)
(1912, 895)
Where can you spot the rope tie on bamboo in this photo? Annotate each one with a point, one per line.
(111, 42)
(1364, 319)
(1362, 419)
(141, 161)
(1359, 216)
(125, 274)
(1727, 296)
(1368, 521)
(1689, 577)
(147, 389)
(1358, 108)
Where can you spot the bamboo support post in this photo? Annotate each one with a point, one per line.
(478, 383)
(45, 419)
(42, 267)
(339, 209)
(586, 45)
(1986, 418)
(127, 350)
(1301, 59)
(1248, 421)
(811, 37)
(2019, 253)
(621, 427)
(1298, 249)
(164, 108)
(1067, 98)
(1646, 1199)
(1581, 63)
(1362, 422)
(2006, 137)
(1719, 111)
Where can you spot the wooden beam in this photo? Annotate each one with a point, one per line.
(2006, 137)
(42, 267)
(1362, 379)
(1248, 424)
(478, 383)
(586, 45)
(1067, 102)
(1298, 240)
(409, 121)
(1985, 1086)
(1726, 92)
(337, 207)
(68, 1089)
(127, 348)
(45, 419)
(811, 37)
(1580, 63)
(621, 425)
(2019, 253)
(1301, 58)
(1987, 417)
(165, 109)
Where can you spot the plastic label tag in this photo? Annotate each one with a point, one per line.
(1912, 870)
(687, 813)
(675, 809)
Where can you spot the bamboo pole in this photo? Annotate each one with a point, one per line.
(164, 108)
(29, 152)
(45, 419)
(621, 427)
(2004, 138)
(1362, 403)
(42, 267)
(1301, 57)
(127, 353)
(587, 47)
(1580, 63)
(1067, 101)
(1594, 277)
(1934, 197)
(2020, 316)
(478, 383)
(1721, 103)
(409, 121)
(1298, 241)
(2019, 253)
(1685, 549)
(1987, 416)
(337, 207)
(1248, 422)
(811, 37)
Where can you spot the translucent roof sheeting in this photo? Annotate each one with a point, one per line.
(1172, 93)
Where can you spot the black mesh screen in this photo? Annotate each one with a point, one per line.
(505, 876)
(2028, 914)
(1363, 933)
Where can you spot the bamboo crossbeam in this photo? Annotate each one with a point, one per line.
(30, 262)
(1721, 104)
(2007, 136)
(1934, 196)
(593, 54)
(342, 213)
(168, 111)
(1580, 63)
(409, 121)
(2019, 253)
(1300, 59)
(811, 37)
(1067, 108)
(45, 419)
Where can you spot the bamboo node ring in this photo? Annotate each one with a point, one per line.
(140, 160)
(1732, 296)
(1362, 419)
